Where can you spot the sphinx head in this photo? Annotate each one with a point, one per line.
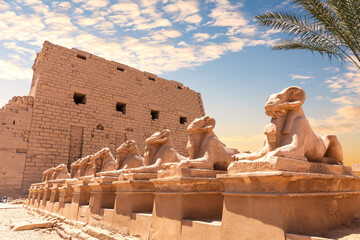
(279, 104)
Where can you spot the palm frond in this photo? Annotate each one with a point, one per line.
(322, 48)
(330, 27)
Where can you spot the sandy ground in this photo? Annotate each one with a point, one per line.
(10, 214)
(14, 213)
(351, 232)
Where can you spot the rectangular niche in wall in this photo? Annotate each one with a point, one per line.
(79, 98)
(155, 114)
(121, 107)
(76, 142)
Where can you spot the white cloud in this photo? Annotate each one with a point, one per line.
(200, 37)
(18, 49)
(93, 4)
(227, 15)
(11, 72)
(346, 117)
(4, 6)
(332, 69)
(2, 103)
(64, 6)
(184, 11)
(295, 77)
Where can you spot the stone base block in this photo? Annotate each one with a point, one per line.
(200, 230)
(132, 196)
(140, 225)
(281, 202)
(188, 172)
(83, 214)
(178, 198)
(285, 164)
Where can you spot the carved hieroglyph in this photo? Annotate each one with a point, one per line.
(290, 135)
(158, 150)
(205, 150)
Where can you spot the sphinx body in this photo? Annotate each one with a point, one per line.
(290, 135)
(127, 156)
(103, 161)
(74, 169)
(86, 167)
(48, 174)
(158, 150)
(61, 172)
(205, 150)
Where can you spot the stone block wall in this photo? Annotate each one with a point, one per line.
(83, 103)
(15, 122)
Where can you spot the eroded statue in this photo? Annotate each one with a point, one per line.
(86, 167)
(205, 150)
(61, 172)
(128, 156)
(74, 168)
(158, 150)
(48, 174)
(103, 161)
(290, 135)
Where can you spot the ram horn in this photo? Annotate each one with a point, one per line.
(296, 97)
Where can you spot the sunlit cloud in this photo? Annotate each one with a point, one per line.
(332, 69)
(128, 32)
(346, 117)
(184, 11)
(301, 77)
(11, 72)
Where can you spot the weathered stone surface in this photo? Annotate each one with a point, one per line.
(290, 135)
(158, 151)
(29, 225)
(271, 163)
(204, 148)
(82, 104)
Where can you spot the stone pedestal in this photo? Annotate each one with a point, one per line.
(39, 196)
(102, 194)
(269, 204)
(81, 197)
(65, 197)
(134, 203)
(46, 195)
(185, 196)
(54, 196)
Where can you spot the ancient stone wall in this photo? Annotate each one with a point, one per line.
(15, 120)
(84, 103)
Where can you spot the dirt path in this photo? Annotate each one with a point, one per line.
(14, 213)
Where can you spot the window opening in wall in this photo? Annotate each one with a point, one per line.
(154, 114)
(79, 98)
(100, 127)
(121, 107)
(81, 57)
(152, 79)
(180, 87)
(14, 122)
(183, 120)
(120, 69)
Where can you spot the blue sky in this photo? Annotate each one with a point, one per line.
(214, 46)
